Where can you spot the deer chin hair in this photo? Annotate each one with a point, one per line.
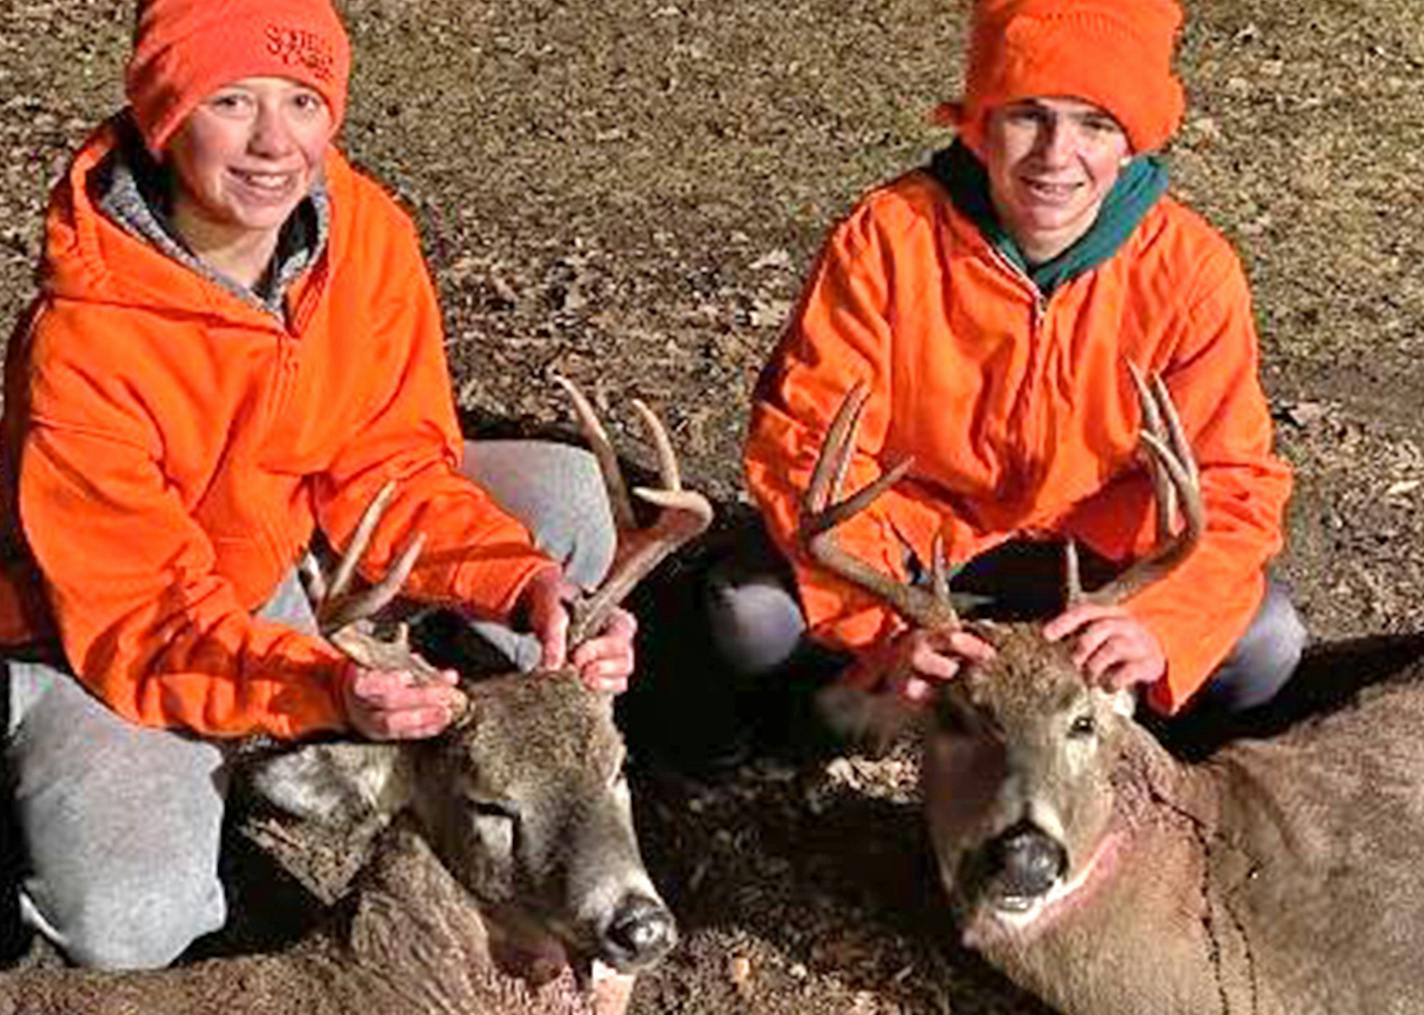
(527, 948)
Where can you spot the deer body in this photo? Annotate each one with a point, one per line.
(405, 940)
(1275, 877)
(512, 830)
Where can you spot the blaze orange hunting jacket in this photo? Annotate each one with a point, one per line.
(169, 450)
(1020, 413)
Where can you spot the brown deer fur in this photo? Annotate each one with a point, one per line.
(406, 940)
(1276, 877)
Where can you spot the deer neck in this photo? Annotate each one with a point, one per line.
(1150, 785)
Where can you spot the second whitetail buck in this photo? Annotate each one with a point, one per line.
(1278, 876)
(522, 801)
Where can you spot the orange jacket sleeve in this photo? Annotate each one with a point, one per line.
(144, 620)
(476, 556)
(1200, 611)
(838, 336)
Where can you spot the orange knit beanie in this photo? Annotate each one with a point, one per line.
(1116, 54)
(184, 50)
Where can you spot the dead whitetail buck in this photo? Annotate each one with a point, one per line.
(1277, 877)
(523, 801)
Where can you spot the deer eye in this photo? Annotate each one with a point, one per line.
(494, 829)
(1083, 726)
(493, 809)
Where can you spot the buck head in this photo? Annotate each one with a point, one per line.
(1017, 772)
(1020, 759)
(527, 804)
(523, 798)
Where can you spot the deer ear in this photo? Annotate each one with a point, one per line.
(338, 783)
(865, 717)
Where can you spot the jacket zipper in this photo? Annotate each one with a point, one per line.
(288, 365)
(270, 531)
(1024, 467)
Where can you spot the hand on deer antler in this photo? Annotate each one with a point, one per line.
(911, 663)
(604, 662)
(389, 691)
(393, 705)
(1111, 647)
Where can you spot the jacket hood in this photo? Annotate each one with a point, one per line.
(90, 258)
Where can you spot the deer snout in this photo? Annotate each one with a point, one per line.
(640, 932)
(1024, 863)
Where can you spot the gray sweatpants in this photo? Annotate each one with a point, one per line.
(121, 824)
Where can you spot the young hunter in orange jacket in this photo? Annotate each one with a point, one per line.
(236, 344)
(178, 448)
(993, 302)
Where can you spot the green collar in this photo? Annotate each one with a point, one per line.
(1137, 189)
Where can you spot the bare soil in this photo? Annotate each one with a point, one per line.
(628, 192)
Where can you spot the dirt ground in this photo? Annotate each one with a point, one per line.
(628, 192)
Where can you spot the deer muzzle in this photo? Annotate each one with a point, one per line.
(1023, 863)
(641, 931)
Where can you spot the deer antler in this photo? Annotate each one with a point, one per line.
(344, 618)
(683, 515)
(1174, 475)
(822, 510)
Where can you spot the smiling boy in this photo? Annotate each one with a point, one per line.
(993, 303)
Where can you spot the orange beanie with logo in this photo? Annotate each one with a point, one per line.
(184, 50)
(1116, 54)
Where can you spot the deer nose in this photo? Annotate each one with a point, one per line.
(641, 931)
(1026, 861)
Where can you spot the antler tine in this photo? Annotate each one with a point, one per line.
(359, 539)
(338, 613)
(602, 449)
(822, 511)
(940, 574)
(683, 515)
(1176, 434)
(820, 508)
(1171, 453)
(667, 458)
(1072, 582)
(828, 475)
(1163, 494)
(334, 608)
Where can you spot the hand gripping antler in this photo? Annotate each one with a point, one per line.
(822, 510)
(1175, 477)
(682, 515)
